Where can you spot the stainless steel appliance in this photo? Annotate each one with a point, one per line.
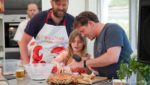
(11, 23)
(10, 30)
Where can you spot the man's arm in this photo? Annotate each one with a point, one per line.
(108, 58)
(24, 48)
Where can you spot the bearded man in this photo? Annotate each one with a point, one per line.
(50, 29)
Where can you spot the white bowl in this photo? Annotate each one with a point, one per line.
(38, 71)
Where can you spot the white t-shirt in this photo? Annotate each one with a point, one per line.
(20, 30)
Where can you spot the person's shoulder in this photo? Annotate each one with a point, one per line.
(69, 17)
(41, 15)
(114, 29)
(114, 26)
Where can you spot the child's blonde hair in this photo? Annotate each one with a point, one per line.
(73, 35)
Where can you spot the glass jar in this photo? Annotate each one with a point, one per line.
(20, 72)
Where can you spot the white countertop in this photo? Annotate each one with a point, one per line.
(28, 81)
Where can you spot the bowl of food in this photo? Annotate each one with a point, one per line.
(38, 71)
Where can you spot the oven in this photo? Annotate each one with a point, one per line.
(10, 30)
(11, 23)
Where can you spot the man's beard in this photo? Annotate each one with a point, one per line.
(58, 14)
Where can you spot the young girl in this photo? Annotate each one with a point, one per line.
(77, 45)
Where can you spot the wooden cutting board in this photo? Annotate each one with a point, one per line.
(97, 79)
(80, 80)
(94, 80)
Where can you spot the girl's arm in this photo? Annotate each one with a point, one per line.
(61, 57)
(59, 61)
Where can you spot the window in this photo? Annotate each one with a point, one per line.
(118, 12)
(115, 11)
(122, 12)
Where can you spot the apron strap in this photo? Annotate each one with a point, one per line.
(49, 15)
(64, 22)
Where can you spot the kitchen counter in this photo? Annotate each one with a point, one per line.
(28, 81)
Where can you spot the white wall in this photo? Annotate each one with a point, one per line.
(92, 5)
(46, 4)
(76, 6)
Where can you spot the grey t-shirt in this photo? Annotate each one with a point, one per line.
(112, 35)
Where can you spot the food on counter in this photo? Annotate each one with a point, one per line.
(91, 76)
(54, 69)
(57, 67)
(60, 68)
(80, 70)
(90, 79)
(64, 69)
(67, 69)
(86, 79)
(61, 79)
(71, 79)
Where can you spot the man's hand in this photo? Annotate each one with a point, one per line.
(75, 64)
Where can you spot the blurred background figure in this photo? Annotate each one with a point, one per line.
(32, 9)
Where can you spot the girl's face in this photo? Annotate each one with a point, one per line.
(77, 44)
